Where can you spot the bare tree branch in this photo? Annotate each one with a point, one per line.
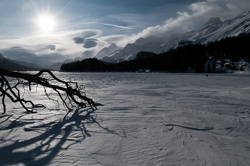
(74, 93)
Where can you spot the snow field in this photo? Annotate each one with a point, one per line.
(141, 119)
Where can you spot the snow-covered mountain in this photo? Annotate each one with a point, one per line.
(150, 44)
(183, 43)
(8, 64)
(107, 51)
(214, 29)
(57, 66)
(30, 65)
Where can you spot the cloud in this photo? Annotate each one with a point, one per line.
(17, 52)
(91, 33)
(113, 25)
(196, 15)
(113, 38)
(78, 40)
(21, 54)
(51, 47)
(55, 47)
(87, 54)
(59, 46)
(90, 43)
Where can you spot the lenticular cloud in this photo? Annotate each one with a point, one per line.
(90, 43)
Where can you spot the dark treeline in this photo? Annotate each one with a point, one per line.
(176, 60)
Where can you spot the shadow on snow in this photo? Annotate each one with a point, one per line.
(40, 149)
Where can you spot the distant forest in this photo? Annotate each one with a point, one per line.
(179, 59)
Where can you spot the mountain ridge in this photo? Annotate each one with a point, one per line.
(228, 55)
(8, 64)
(213, 29)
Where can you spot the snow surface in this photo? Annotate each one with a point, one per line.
(141, 119)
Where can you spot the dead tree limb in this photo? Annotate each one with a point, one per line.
(74, 93)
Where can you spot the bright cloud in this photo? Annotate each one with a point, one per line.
(60, 46)
(113, 25)
(86, 43)
(199, 13)
(114, 38)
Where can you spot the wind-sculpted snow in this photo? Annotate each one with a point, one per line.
(141, 119)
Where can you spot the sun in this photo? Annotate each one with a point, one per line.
(46, 23)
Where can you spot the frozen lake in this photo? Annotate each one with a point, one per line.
(141, 119)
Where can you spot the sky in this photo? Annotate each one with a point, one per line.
(48, 31)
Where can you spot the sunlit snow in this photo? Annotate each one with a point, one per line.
(141, 119)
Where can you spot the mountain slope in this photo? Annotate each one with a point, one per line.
(107, 51)
(57, 66)
(150, 44)
(30, 65)
(230, 54)
(213, 30)
(13, 66)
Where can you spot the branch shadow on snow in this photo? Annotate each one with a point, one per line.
(49, 139)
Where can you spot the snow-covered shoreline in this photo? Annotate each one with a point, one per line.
(141, 119)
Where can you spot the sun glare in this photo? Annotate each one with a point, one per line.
(46, 23)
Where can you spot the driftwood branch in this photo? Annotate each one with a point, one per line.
(74, 92)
